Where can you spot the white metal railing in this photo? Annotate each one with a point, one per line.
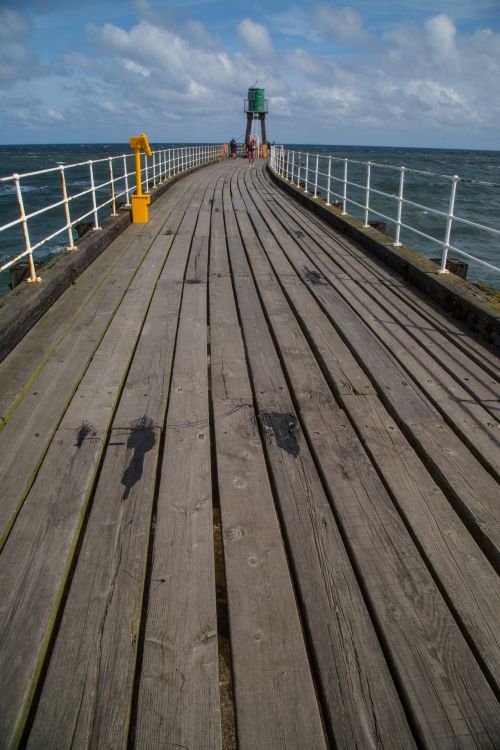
(329, 176)
(116, 181)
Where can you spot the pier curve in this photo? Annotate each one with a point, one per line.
(238, 363)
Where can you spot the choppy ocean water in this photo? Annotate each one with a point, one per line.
(475, 200)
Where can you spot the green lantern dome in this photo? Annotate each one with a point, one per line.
(256, 101)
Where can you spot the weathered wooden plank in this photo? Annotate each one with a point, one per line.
(116, 537)
(29, 432)
(468, 580)
(455, 331)
(34, 565)
(377, 539)
(465, 575)
(146, 390)
(178, 695)
(446, 377)
(271, 672)
(32, 426)
(43, 541)
(359, 699)
(472, 491)
(416, 416)
(465, 413)
(87, 692)
(19, 370)
(430, 654)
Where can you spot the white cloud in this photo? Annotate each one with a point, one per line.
(256, 38)
(199, 36)
(343, 25)
(16, 61)
(134, 67)
(308, 64)
(413, 77)
(441, 33)
(179, 80)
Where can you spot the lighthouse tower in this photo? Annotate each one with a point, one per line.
(256, 109)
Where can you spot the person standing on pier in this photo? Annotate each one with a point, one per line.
(233, 147)
(251, 150)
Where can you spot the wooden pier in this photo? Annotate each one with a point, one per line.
(249, 495)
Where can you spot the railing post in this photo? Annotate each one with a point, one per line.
(397, 243)
(31, 264)
(316, 177)
(344, 196)
(146, 174)
(449, 222)
(94, 201)
(306, 183)
(154, 169)
(125, 174)
(71, 244)
(293, 166)
(112, 183)
(367, 198)
(329, 181)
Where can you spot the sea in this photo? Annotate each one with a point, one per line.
(477, 197)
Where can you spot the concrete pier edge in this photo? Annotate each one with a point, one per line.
(462, 299)
(21, 308)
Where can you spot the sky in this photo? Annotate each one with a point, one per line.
(420, 73)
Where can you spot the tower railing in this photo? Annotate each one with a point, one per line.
(88, 191)
(350, 185)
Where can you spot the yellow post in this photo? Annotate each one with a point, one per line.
(140, 200)
(138, 189)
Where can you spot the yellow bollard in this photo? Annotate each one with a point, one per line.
(140, 200)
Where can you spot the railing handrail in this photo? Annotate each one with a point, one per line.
(394, 168)
(288, 164)
(162, 165)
